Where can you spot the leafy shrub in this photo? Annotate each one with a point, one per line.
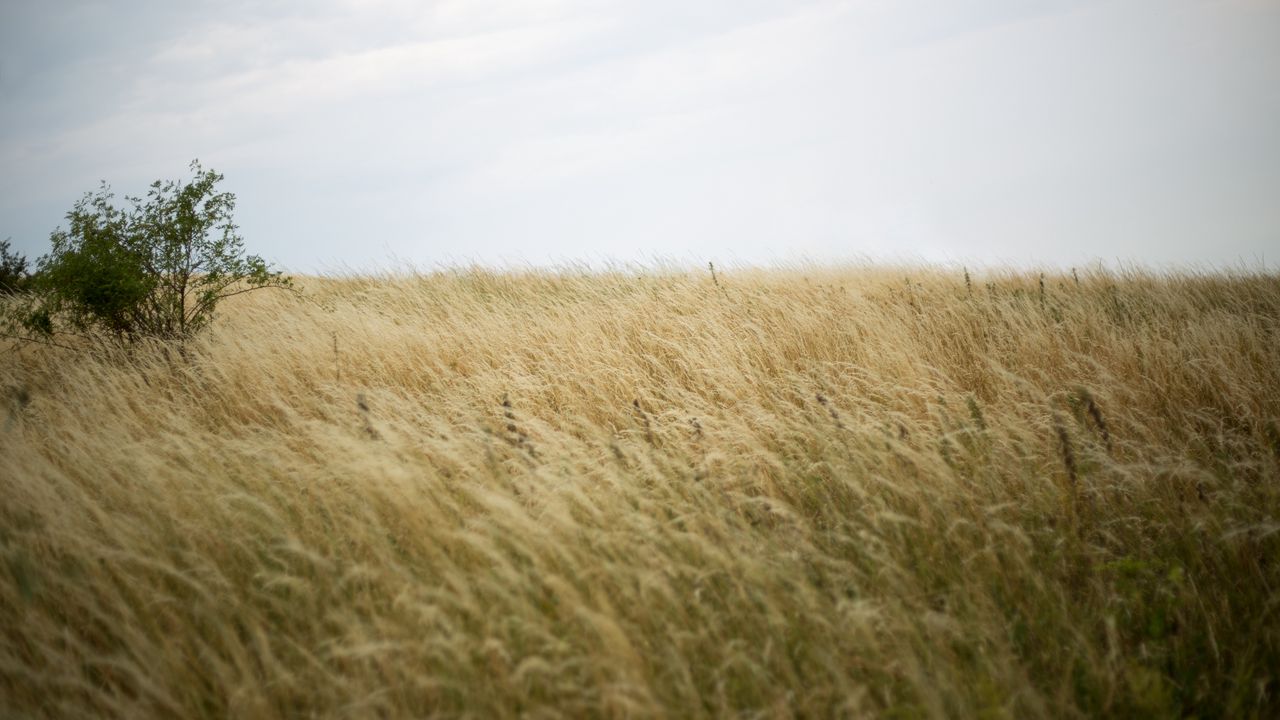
(13, 270)
(155, 269)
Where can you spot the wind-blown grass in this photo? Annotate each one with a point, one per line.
(814, 492)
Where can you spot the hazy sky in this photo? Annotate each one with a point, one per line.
(369, 133)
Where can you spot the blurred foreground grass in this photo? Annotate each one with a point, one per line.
(814, 492)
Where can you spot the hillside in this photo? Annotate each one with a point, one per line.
(812, 492)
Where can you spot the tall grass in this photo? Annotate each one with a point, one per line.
(815, 492)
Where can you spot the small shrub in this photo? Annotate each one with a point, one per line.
(155, 269)
(13, 270)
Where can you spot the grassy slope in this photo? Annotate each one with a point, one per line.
(795, 493)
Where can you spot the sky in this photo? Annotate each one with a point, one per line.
(382, 134)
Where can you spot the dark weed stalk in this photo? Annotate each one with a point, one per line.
(835, 415)
(1095, 414)
(700, 471)
(363, 406)
(975, 412)
(337, 360)
(516, 437)
(644, 420)
(1068, 453)
(716, 279)
(1273, 439)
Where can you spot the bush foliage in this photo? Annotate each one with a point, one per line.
(13, 270)
(156, 268)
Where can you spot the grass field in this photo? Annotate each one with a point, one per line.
(815, 492)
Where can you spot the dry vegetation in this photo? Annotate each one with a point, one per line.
(814, 492)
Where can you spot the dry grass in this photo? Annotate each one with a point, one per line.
(815, 492)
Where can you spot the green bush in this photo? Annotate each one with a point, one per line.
(155, 269)
(13, 270)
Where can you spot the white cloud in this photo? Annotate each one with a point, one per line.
(997, 129)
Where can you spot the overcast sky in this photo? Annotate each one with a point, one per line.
(363, 134)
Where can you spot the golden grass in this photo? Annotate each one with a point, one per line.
(815, 492)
